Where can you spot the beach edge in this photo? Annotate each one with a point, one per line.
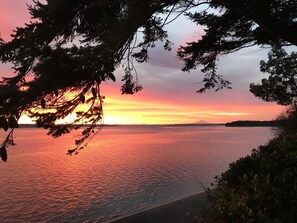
(180, 211)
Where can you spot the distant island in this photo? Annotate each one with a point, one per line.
(252, 123)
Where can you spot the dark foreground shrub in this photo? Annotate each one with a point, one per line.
(261, 187)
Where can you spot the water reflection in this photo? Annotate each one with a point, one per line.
(122, 171)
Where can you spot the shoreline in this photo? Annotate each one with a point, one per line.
(180, 211)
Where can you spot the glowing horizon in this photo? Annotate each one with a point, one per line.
(142, 109)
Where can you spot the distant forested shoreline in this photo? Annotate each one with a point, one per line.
(253, 123)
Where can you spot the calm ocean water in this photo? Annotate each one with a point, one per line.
(122, 171)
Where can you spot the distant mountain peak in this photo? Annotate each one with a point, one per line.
(201, 122)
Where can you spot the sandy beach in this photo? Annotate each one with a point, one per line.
(181, 211)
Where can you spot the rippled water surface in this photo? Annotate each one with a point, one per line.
(122, 171)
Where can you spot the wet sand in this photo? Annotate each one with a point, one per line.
(181, 211)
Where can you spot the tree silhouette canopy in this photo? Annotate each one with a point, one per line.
(281, 85)
(71, 46)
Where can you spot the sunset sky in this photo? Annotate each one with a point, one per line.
(169, 95)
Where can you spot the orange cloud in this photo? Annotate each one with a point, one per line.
(145, 109)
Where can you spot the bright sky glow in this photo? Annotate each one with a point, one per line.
(169, 94)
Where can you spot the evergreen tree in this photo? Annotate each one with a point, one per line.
(281, 85)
